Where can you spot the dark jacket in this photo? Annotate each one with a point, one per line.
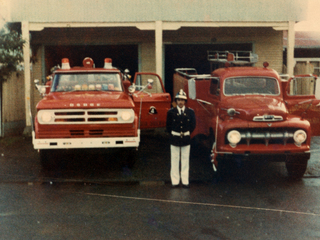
(180, 123)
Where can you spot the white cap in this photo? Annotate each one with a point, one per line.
(181, 95)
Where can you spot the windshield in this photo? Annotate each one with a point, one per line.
(251, 85)
(68, 82)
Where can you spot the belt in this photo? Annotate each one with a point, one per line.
(180, 134)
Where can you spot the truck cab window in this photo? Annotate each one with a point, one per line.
(142, 80)
(251, 86)
(67, 82)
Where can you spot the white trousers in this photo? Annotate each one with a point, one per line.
(176, 153)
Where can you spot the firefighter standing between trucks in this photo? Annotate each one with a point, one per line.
(181, 122)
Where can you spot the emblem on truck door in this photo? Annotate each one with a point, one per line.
(153, 110)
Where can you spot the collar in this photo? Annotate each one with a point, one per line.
(179, 109)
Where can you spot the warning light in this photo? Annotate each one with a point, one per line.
(88, 62)
(230, 57)
(107, 63)
(65, 63)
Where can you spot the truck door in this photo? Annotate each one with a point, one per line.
(300, 99)
(151, 101)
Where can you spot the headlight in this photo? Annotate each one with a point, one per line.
(299, 137)
(132, 89)
(234, 138)
(126, 115)
(45, 117)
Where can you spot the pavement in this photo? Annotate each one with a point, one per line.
(21, 163)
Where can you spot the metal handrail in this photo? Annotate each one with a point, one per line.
(238, 57)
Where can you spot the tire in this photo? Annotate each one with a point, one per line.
(296, 168)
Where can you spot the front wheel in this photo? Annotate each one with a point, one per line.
(296, 168)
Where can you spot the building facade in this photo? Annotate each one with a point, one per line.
(150, 35)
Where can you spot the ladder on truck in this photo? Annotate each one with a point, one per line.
(233, 57)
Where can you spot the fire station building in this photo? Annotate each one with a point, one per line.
(143, 35)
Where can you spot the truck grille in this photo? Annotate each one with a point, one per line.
(86, 116)
(265, 136)
(90, 132)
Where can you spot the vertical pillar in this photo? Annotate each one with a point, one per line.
(158, 43)
(290, 49)
(27, 75)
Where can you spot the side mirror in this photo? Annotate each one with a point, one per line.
(150, 83)
(132, 88)
(41, 88)
(317, 90)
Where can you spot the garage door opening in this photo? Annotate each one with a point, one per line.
(193, 56)
(123, 56)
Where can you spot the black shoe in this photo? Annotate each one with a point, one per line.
(174, 186)
(186, 186)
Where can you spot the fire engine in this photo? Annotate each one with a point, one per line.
(88, 107)
(252, 113)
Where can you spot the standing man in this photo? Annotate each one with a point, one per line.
(181, 122)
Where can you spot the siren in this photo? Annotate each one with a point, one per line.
(65, 63)
(266, 64)
(107, 63)
(88, 62)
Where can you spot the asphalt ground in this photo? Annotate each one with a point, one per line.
(21, 163)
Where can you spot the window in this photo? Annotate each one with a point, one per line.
(143, 79)
(67, 82)
(251, 86)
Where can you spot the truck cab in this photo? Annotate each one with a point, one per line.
(88, 107)
(251, 113)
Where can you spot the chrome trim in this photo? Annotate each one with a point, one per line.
(268, 118)
(86, 116)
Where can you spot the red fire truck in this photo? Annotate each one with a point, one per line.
(88, 107)
(251, 113)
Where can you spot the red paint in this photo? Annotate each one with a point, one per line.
(105, 91)
(265, 117)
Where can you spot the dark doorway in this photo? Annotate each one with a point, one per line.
(123, 56)
(193, 56)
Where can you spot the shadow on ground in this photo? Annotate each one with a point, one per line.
(20, 162)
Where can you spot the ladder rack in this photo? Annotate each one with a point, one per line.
(191, 73)
(234, 57)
